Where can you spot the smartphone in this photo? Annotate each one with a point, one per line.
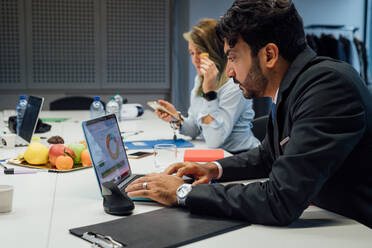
(137, 155)
(156, 106)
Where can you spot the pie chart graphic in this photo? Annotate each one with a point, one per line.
(113, 149)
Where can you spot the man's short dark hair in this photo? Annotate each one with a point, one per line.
(260, 22)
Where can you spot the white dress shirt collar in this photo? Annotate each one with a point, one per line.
(276, 96)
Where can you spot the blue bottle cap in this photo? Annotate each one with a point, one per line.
(96, 98)
(22, 97)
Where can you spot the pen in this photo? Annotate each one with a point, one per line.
(38, 138)
(132, 132)
(12, 171)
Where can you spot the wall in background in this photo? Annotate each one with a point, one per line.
(180, 56)
(84, 47)
(335, 12)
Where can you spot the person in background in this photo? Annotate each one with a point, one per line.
(319, 136)
(218, 112)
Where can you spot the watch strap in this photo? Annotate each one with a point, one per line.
(210, 96)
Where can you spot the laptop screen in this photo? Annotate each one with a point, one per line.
(28, 126)
(106, 149)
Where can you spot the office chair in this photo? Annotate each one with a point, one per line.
(72, 103)
(259, 127)
(261, 106)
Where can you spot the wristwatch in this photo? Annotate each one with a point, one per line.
(210, 96)
(182, 193)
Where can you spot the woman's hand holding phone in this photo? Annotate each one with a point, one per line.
(172, 111)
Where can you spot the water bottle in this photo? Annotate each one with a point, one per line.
(112, 107)
(96, 108)
(119, 100)
(20, 110)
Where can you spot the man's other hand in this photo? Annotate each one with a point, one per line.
(202, 173)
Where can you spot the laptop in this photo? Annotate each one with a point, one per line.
(106, 148)
(29, 122)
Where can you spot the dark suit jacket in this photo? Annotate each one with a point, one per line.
(325, 110)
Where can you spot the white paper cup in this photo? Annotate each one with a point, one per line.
(8, 140)
(6, 198)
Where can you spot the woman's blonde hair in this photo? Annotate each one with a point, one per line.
(203, 36)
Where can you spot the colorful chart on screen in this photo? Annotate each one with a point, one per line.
(112, 145)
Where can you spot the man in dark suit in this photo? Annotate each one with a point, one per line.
(318, 146)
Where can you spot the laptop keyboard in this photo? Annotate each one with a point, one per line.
(126, 182)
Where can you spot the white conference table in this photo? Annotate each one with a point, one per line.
(47, 205)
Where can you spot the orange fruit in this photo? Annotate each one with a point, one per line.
(64, 162)
(85, 158)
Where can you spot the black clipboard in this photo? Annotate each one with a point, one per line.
(166, 227)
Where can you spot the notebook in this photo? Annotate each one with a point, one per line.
(28, 126)
(207, 155)
(166, 227)
(106, 149)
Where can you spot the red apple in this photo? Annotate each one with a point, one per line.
(58, 150)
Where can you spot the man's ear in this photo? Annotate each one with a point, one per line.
(270, 54)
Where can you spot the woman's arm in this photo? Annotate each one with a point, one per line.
(225, 111)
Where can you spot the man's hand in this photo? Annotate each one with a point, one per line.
(160, 187)
(202, 173)
(163, 115)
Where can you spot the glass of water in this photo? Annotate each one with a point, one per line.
(164, 155)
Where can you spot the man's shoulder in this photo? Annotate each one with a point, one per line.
(325, 85)
(322, 66)
(324, 72)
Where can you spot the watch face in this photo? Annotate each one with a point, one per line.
(183, 191)
(211, 95)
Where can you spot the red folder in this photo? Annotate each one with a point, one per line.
(203, 155)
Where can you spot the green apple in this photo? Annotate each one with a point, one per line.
(77, 149)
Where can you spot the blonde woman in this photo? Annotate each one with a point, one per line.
(218, 112)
